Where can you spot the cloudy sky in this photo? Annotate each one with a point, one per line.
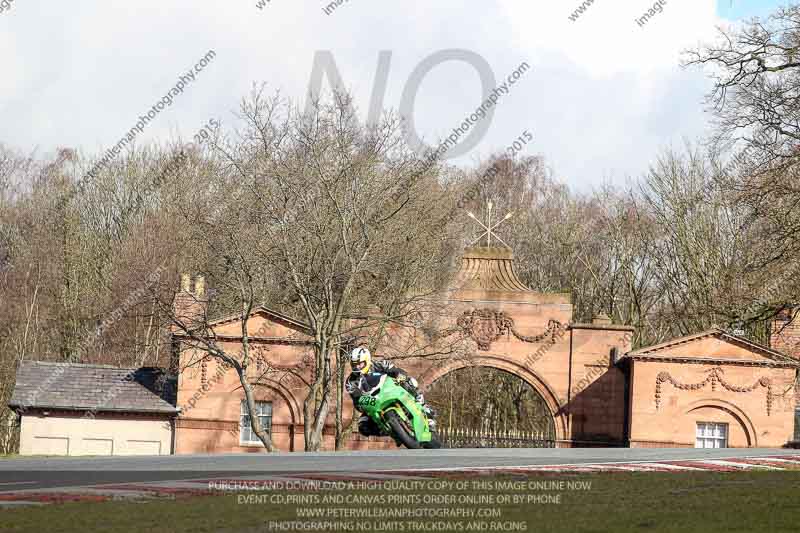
(603, 96)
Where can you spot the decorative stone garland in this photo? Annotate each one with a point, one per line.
(714, 377)
(485, 326)
(553, 327)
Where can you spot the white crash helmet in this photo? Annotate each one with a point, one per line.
(360, 360)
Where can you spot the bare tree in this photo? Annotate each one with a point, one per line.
(334, 216)
(756, 73)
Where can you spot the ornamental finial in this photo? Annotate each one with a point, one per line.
(488, 226)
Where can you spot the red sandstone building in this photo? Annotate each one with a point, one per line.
(711, 389)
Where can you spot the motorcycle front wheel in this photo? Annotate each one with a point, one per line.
(434, 444)
(400, 430)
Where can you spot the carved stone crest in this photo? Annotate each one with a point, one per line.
(484, 326)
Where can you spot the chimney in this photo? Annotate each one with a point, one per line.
(785, 332)
(200, 287)
(190, 303)
(185, 283)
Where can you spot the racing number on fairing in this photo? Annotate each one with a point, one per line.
(367, 400)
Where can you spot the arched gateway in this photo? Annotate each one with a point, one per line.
(530, 335)
(485, 403)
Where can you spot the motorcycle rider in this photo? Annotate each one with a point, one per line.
(365, 374)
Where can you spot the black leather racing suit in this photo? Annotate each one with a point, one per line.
(357, 383)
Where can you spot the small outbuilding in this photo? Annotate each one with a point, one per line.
(79, 409)
(711, 390)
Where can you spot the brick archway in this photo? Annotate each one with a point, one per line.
(735, 413)
(278, 389)
(270, 389)
(502, 363)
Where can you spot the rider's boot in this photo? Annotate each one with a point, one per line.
(428, 410)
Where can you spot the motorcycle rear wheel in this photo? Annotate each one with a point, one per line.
(400, 431)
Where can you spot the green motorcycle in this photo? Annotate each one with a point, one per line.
(397, 414)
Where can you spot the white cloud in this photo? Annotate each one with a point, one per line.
(606, 39)
(603, 97)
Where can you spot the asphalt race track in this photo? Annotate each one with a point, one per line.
(51, 472)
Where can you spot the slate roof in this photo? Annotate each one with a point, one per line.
(98, 388)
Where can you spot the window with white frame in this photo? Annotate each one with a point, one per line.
(711, 435)
(264, 413)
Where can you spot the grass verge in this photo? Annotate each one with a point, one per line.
(624, 502)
